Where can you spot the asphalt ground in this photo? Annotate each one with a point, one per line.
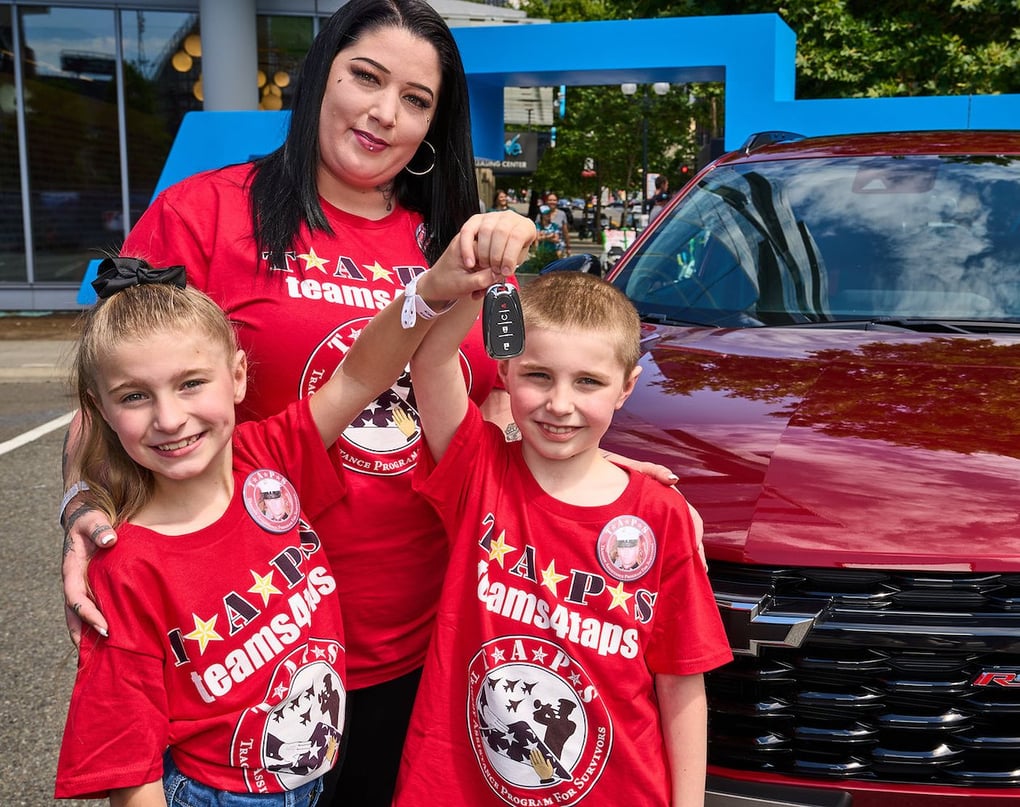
(37, 659)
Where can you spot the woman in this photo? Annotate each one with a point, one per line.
(301, 248)
(500, 201)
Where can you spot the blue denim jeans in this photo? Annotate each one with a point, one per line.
(181, 791)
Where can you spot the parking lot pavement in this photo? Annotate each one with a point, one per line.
(37, 662)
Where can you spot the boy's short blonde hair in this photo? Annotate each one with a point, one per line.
(583, 301)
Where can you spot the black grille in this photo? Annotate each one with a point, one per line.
(878, 676)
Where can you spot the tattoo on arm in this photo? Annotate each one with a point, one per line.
(77, 513)
(64, 456)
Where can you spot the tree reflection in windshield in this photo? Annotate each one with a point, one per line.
(787, 242)
(957, 394)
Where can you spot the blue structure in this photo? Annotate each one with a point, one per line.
(754, 54)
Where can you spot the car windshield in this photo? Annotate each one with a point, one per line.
(837, 240)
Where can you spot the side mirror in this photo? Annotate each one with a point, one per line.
(583, 262)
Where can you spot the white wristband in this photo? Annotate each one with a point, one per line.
(415, 306)
(71, 492)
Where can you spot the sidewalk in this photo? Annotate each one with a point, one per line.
(35, 360)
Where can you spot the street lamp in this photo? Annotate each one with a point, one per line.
(659, 88)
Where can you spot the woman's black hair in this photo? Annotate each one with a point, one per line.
(283, 191)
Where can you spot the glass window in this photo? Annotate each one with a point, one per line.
(72, 137)
(71, 118)
(12, 238)
(282, 44)
(162, 82)
(837, 239)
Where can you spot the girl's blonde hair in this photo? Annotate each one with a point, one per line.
(117, 484)
(579, 300)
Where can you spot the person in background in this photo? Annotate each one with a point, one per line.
(659, 199)
(201, 508)
(301, 248)
(500, 201)
(559, 217)
(550, 244)
(577, 619)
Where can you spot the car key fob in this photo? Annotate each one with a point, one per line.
(503, 322)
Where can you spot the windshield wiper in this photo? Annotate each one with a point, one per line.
(918, 325)
(937, 325)
(665, 319)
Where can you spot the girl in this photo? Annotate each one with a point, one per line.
(222, 668)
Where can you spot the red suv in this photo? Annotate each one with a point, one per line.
(832, 368)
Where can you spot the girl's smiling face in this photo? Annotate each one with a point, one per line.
(170, 399)
(379, 100)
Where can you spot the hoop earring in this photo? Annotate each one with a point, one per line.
(427, 170)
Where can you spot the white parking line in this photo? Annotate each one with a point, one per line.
(34, 434)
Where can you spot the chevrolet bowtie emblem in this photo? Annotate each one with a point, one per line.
(751, 622)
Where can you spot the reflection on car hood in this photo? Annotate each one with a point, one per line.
(837, 448)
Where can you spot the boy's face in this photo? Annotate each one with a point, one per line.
(564, 390)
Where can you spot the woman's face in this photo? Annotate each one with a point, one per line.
(379, 100)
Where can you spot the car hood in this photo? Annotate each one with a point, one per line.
(837, 447)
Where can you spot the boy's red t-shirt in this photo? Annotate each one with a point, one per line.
(555, 618)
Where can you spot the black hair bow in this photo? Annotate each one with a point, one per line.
(117, 274)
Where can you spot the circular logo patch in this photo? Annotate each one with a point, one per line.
(271, 501)
(384, 439)
(537, 725)
(294, 734)
(626, 548)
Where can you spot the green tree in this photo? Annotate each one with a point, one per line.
(845, 49)
(605, 125)
(860, 48)
(576, 10)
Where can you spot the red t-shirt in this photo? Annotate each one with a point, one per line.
(539, 684)
(225, 644)
(384, 542)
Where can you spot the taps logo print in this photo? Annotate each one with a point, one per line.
(295, 732)
(537, 724)
(384, 439)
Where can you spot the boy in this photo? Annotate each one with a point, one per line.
(576, 619)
